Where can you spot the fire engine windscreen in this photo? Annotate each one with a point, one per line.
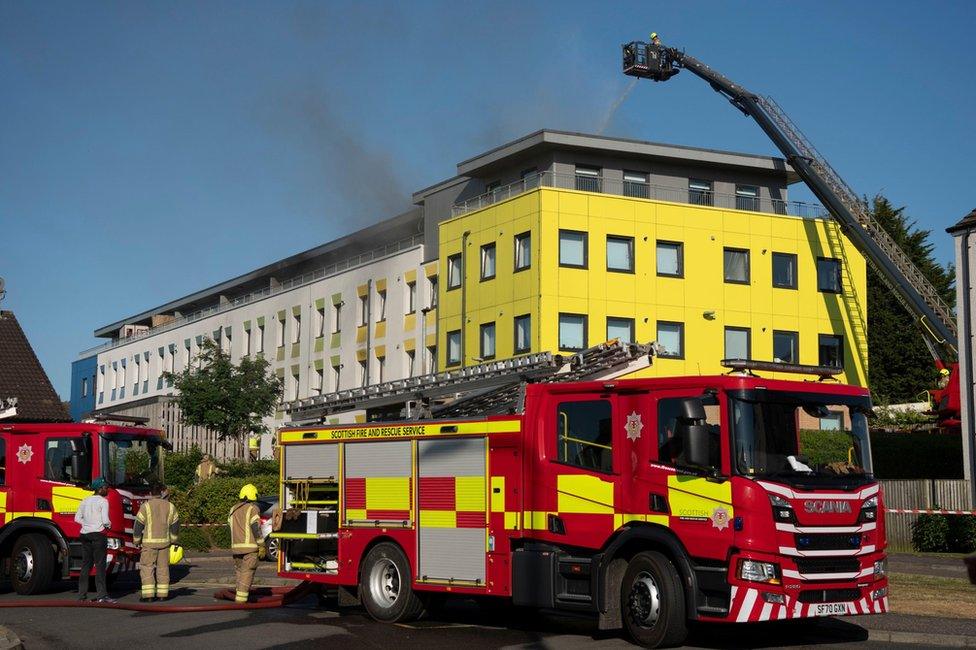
(131, 461)
(785, 435)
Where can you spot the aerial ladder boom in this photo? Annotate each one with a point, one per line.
(934, 317)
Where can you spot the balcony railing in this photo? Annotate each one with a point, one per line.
(693, 196)
(287, 285)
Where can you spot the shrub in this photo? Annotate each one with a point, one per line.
(211, 501)
(929, 533)
(195, 539)
(822, 447)
(181, 467)
(961, 537)
(243, 468)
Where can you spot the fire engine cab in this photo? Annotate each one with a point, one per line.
(45, 472)
(643, 502)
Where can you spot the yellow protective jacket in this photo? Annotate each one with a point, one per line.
(157, 524)
(245, 527)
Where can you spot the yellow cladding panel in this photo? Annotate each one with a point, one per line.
(409, 322)
(381, 284)
(67, 498)
(532, 520)
(355, 514)
(498, 494)
(690, 496)
(469, 493)
(511, 520)
(388, 493)
(581, 493)
(701, 486)
(362, 290)
(361, 331)
(438, 519)
(380, 329)
(700, 299)
(410, 276)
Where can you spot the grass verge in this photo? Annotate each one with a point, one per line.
(931, 596)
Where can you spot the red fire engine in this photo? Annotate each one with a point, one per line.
(644, 502)
(45, 471)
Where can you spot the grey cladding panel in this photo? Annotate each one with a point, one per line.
(452, 457)
(378, 459)
(452, 553)
(312, 461)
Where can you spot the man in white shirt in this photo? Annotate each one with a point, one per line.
(92, 514)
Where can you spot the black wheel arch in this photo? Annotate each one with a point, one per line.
(627, 542)
(23, 525)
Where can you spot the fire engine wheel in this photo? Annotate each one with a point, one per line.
(652, 601)
(384, 586)
(32, 564)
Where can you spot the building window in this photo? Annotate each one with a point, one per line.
(258, 342)
(786, 347)
(487, 341)
(620, 254)
(833, 421)
(620, 328)
(84, 390)
(572, 331)
(187, 355)
(58, 466)
(584, 435)
(530, 178)
(671, 339)
(363, 373)
(636, 185)
(492, 186)
(831, 350)
(784, 270)
(294, 387)
(432, 359)
(281, 333)
(454, 347)
(380, 369)
(700, 192)
(736, 265)
(336, 377)
(432, 281)
(319, 326)
(454, 271)
(828, 275)
(316, 384)
(747, 197)
(296, 328)
(737, 343)
(381, 305)
(363, 310)
(572, 249)
(523, 333)
(411, 297)
(588, 178)
(245, 342)
(488, 261)
(670, 259)
(411, 362)
(523, 251)
(336, 317)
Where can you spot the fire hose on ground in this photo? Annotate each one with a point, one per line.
(264, 598)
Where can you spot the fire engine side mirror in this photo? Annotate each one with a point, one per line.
(694, 433)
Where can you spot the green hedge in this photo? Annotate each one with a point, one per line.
(211, 501)
(896, 455)
(944, 533)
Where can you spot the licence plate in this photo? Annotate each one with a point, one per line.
(830, 609)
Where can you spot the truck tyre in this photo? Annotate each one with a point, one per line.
(31, 564)
(652, 601)
(385, 585)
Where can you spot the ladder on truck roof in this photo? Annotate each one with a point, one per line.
(485, 389)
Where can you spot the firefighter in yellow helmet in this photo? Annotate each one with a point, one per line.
(254, 445)
(155, 529)
(245, 535)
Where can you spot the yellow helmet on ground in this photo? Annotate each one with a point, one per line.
(248, 493)
(175, 553)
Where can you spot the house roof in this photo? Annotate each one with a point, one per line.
(966, 223)
(22, 376)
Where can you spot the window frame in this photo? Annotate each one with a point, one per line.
(630, 245)
(481, 341)
(411, 297)
(621, 320)
(795, 335)
(725, 272)
(840, 348)
(725, 341)
(840, 277)
(591, 175)
(681, 258)
(559, 337)
(586, 249)
(584, 399)
(796, 266)
(447, 344)
(681, 338)
(364, 310)
(642, 186)
(494, 261)
(707, 190)
(337, 317)
(456, 257)
(381, 305)
(515, 338)
(742, 195)
(517, 239)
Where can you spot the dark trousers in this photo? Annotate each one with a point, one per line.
(93, 550)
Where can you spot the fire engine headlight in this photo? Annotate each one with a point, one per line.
(869, 511)
(878, 594)
(753, 571)
(880, 568)
(127, 505)
(114, 543)
(782, 510)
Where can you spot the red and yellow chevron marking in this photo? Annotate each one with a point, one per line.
(378, 498)
(452, 501)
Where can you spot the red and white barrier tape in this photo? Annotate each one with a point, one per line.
(916, 511)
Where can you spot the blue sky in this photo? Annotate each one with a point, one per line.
(148, 150)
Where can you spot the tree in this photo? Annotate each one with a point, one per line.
(231, 400)
(900, 367)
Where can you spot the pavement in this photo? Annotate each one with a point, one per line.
(314, 623)
(940, 566)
